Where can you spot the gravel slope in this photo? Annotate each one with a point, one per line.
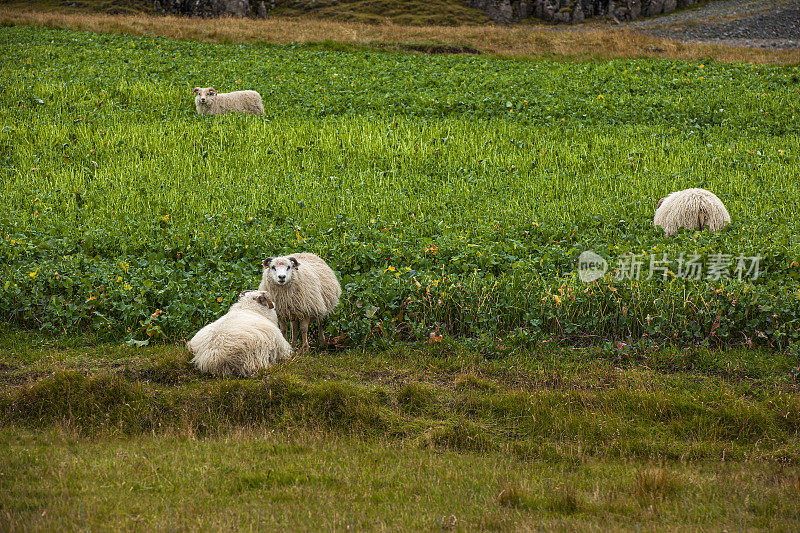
(752, 23)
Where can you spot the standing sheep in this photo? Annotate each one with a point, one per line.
(305, 290)
(209, 102)
(691, 209)
(243, 340)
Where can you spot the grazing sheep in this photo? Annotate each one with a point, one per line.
(243, 340)
(209, 102)
(691, 209)
(305, 289)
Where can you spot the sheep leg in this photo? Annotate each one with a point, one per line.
(294, 332)
(304, 332)
(321, 332)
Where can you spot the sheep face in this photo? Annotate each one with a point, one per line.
(259, 297)
(281, 269)
(259, 301)
(205, 96)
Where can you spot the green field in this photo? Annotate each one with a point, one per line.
(472, 375)
(451, 194)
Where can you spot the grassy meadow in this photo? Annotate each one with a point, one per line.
(473, 381)
(408, 438)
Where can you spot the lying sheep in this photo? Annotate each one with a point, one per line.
(243, 340)
(305, 289)
(209, 102)
(691, 209)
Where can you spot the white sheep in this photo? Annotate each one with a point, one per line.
(209, 102)
(305, 289)
(243, 340)
(691, 209)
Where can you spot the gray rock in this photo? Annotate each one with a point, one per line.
(210, 8)
(570, 11)
(498, 10)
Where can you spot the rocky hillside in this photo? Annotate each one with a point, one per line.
(412, 12)
(507, 11)
(450, 12)
(213, 8)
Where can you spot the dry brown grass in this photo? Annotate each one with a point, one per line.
(653, 485)
(517, 41)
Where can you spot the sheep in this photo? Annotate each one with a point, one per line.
(305, 289)
(209, 102)
(243, 340)
(691, 209)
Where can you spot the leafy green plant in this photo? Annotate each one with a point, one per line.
(445, 210)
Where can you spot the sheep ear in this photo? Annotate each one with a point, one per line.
(265, 263)
(243, 293)
(266, 301)
(212, 91)
(196, 90)
(294, 262)
(660, 201)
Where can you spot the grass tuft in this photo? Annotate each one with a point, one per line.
(459, 435)
(471, 381)
(512, 496)
(171, 368)
(654, 485)
(415, 398)
(564, 501)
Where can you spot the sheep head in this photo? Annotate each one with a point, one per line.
(281, 269)
(259, 301)
(266, 301)
(205, 96)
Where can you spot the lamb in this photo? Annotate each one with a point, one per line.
(305, 289)
(691, 209)
(243, 340)
(209, 102)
